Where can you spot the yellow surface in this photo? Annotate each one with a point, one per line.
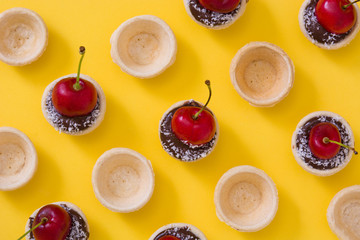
(325, 80)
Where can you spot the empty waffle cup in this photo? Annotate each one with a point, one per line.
(246, 199)
(123, 180)
(262, 73)
(23, 36)
(143, 46)
(343, 213)
(18, 159)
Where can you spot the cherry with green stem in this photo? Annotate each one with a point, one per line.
(207, 82)
(349, 4)
(336, 16)
(194, 125)
(326, 140)
(169, 237)
(74, 97)
(43, 221)
(220, 6)
(77, 85)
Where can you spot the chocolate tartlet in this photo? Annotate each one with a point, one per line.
(317, 34)
(303, 154)
(79, 125)
(176, 147)
(179, 230)
(211, 19)
(79, 226)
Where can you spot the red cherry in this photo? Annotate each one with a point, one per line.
(221, 6)
(336, 16)
(74, 96)
(70, 102)
(169, 237)
(56, 227)
(195, 131)
(317, 145)
(194, 125)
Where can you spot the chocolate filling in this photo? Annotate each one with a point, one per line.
(78, 229)
(177, 148)
(211, 18)
(318, 32)
(302, 144)
(70, 124)
(183, 233)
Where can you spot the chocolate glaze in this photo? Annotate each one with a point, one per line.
(183, 233)
(318, 32)
(70, 124)
(78, 229)
(177, 148)
(211, 18)
(302, 144)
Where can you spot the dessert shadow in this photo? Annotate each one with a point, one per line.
(280, 112)
(50, 60)
(221, 159)
(266, 30)
(115, 113)
(97, 231)
(157, 206)
(159, 84)
(46, 178)
(346, 175)
(344, 57)
(287, 213)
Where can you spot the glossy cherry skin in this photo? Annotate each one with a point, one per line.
(318, 147)
(70, 102)
(194, 131)
(333, 17)
(57, 226)
(221, 6)
(169, 237)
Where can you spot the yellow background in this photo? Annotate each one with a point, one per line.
(261, 137)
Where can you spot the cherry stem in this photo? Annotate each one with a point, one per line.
(77, 85)
(43, 220)
(326, 140)
(349, 4)
(207, 82)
